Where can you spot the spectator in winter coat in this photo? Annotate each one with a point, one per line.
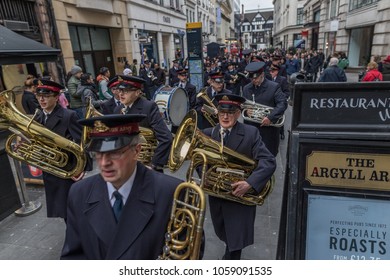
(87, 90)
(386, 68)
(372, 74)
(333, 73)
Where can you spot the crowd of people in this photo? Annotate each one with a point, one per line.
(134, 199)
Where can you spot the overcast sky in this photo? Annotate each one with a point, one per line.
(255, 4)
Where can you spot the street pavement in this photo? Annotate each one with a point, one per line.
(36, 237)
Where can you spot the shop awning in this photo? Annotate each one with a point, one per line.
(17, 49)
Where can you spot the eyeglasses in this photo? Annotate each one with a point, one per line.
(45, 96)
(114, 155)
(229, 113)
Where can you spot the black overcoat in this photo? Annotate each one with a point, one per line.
(63, 122)
(234, 222)
(92, 232)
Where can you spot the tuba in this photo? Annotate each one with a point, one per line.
(209, 107)
(148, 143)
(225, 165)
(185, 228)
(256, 112)
(39, 146)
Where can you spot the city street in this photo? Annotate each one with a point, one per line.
(36, 237)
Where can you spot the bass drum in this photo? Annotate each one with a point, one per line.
(172, 103)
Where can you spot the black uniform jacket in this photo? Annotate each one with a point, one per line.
(64, 123)
(108, 106)
(92, 232)
(234, 222)
(155, 122)
(270, 94)
(29, 102)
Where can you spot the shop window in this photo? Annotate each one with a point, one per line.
(100, 39)
(299, 16)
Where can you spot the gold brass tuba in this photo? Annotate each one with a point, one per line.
(148, 143)
(209, 107)
(185, 228)
(39, 146)
(256, 112)
(226, 166)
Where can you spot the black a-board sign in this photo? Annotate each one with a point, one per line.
(337, 186)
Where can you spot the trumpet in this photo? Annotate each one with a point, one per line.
(209, 108)
(258, 113)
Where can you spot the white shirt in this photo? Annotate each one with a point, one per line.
(124, 190)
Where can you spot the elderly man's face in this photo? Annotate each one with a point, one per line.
(227, 119)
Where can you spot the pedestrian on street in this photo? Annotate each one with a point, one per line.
(333, 73)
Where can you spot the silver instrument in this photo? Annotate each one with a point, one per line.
(256, 112)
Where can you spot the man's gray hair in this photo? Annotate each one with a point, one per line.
(333, 61)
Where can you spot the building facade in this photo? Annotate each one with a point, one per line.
(256, 29)
(359, 28)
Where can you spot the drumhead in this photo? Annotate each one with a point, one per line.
(178, 106)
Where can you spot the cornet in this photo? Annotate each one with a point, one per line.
(151, 75)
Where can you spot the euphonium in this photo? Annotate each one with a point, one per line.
(185, 228)
(209, 107)
(39, 146)
(148, 143)
(225, 165)
(256, 112)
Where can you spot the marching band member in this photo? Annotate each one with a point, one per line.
(173, 79)
(108, 106)
(231, 79)
(188, 87)
(130, 88)
(216, 87)
(282, 81)
(234, 222)
(267, 93)
(122, 212)
(145, 73)
(63, 122)
(182, 74)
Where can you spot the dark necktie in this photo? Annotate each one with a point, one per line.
(225, 135)
(118, 103)
(118, 204)
(46, 118)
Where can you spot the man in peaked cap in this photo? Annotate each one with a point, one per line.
(108, 106)
(122, 212)
(241, 67)
(232, 80)
(282, 81)
(63, 122)
(216, 80)
(130, 88)
(173, 79)
(268, 93)
(234, 222)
